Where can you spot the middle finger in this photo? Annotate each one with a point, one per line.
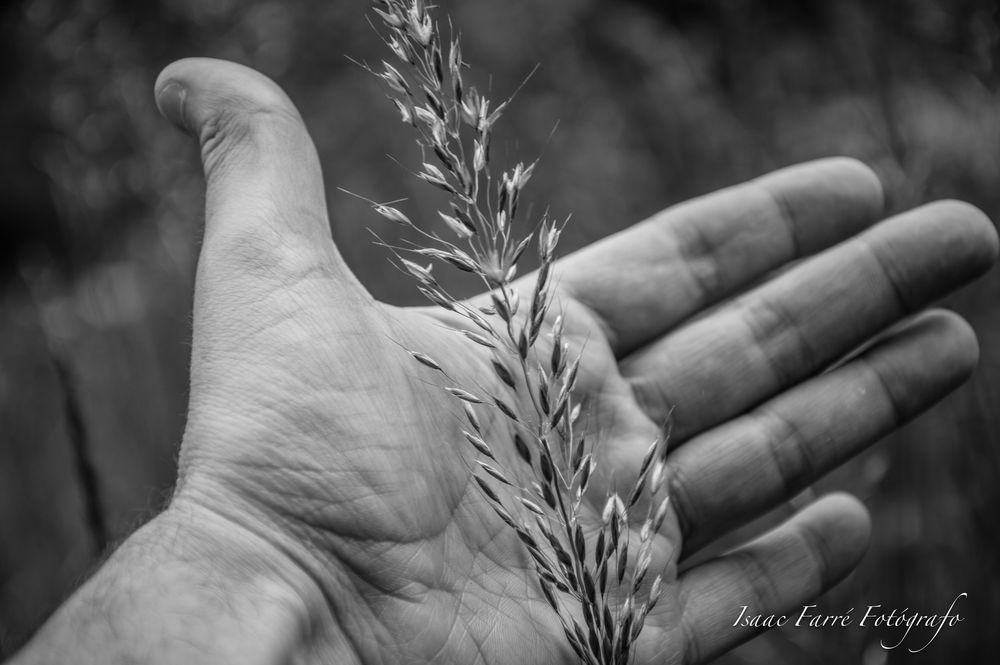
(788, 329)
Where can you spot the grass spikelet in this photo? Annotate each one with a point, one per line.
(425, 360)
(597, 579)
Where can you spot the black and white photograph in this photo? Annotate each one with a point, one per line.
(507, 332)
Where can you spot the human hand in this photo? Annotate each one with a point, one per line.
(314, 437)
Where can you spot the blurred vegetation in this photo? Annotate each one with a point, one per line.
(651, 102)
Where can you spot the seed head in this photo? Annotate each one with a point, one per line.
(454, 124)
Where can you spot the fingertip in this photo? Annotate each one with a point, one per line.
(170, 97)
(171, 90)
(780, 570)
(809, 193)
(970, 226)
(930, 251)
(924, 360)
(857, 176)
(839, 527)
(955, 339)
(194, 91)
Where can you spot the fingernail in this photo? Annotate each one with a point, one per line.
(170, 99)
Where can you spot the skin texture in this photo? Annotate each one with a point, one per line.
(324, 511)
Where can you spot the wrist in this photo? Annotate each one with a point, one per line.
(191, 586)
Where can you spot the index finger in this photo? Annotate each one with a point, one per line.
(643, 281)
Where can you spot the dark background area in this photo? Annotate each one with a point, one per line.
(655, 102)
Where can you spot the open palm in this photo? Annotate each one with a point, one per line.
(312, 427)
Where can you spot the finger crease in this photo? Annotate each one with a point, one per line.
(778, 336)
(763, 587)
(787, 219)
(783, 444)
(696, 253)
(818, 555)
(898, 417)
(680, 498)
(890, 277)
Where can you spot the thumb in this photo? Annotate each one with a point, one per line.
(265, 204)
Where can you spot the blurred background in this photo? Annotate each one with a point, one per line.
(652, 102)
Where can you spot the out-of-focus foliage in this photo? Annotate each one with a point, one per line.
(635, 105)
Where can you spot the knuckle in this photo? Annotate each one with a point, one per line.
(241, 129)
(220, 135)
